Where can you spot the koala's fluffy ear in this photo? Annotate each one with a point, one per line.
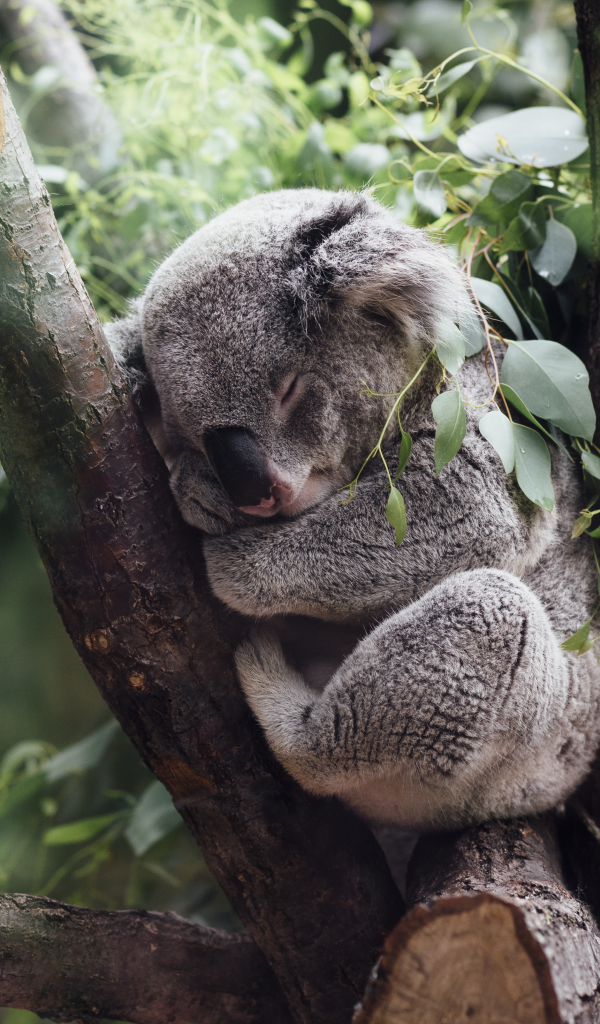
(358, 252)
(125, 339)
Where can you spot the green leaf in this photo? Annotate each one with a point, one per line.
(532, 464)
(448, 78)
(429, 193)
(497, 429)
(395, 513)
(83, 755)
(496, 300)
(21, 792)
(404, 453)
(450, 347)
(153, 818)
(591, 464)
(79, 831)
(472, 331)
(449, 414)
(554, 259)
(467, 7)
(581, 524)
(576, 642)
(537, 136)
(511, 396)
(556, 384)
(502, 202)
(527, 230)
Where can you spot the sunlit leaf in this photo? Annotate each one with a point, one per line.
(429, 193)
(576, 642)
(153, 818)
(497, 429)
(538, 136)
(449, 415)
(83, 755)
(554, 258)
(404, 453)
(496, 300)
(395, 513)
(581, 524)
(556, 384)
(532, 464)
(450, 347)
(79, 831)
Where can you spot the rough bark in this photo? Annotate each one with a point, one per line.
(588, 34)
(72, 114)
(66, 963)
(493, 935)
(306, 877)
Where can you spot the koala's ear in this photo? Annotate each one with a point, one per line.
(125, 339)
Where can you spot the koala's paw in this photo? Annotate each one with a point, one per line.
(276, 693)
(261, 664)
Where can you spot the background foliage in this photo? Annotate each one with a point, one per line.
(215, 104)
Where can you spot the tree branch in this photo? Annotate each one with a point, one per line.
(65, 963)
(72, 114)
(307, 878)
(493, 935)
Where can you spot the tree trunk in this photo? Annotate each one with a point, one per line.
(494, 936)
(72, 115)
(67, 963)
(307, 878)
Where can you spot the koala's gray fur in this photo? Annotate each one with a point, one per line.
(457, 703)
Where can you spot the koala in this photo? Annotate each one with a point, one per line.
(422, 684)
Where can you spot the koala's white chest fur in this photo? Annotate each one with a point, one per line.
(248, 352)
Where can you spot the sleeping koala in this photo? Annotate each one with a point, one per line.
(447, 699)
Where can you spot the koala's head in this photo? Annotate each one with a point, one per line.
(259, 332)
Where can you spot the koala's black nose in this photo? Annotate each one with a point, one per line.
(240, 464)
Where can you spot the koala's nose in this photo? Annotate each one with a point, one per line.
(240, 464)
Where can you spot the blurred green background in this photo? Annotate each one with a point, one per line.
(212, 102)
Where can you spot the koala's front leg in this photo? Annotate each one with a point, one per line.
(458, 708)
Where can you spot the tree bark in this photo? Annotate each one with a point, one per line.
(493, 935)
(66, 963)
(72, 115)
(307, 878)
(588, 35)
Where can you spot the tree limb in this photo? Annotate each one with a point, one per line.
(72, 114)
(65, 963)
(493, 935)
(307, 878)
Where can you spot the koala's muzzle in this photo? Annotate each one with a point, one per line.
(240, 463)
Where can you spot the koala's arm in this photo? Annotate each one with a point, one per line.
(339, 561)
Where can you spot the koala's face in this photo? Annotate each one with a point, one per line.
(260, 332)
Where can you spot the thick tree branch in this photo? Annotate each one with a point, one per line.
(67, 963)
(493, 935)
(72, 114)
(306, 877)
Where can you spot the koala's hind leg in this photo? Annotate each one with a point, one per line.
(458, 708)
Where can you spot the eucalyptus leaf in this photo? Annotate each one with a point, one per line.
(554, 259)
(576, 642)
(83, 755)
(511, 396)
(556, 384)
(450, 347)
(532, 222)
(429, 193)
(502, 202)
(497, 429)
(404, 453)
(472, 331)
(449, 415)
(532, 464)
(496, 300)
(581, 524)
(535, 136)
(153, 818)
(395, 514)
(79, 831)
(591, 464)
(448, 78)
